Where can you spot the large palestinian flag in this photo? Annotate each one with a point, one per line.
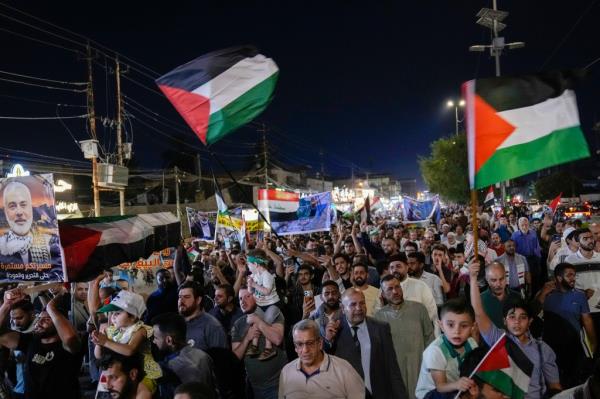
(94, 244)
(506, 368)
(221, 91)
(518, 125)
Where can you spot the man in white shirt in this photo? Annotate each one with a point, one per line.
(416, 265)
(316, 374)
(588, 279)
(413, 289)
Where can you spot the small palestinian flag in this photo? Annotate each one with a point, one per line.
(506, 368)
(95, 244)
(221, 91)
(489, 198)
(518, 125)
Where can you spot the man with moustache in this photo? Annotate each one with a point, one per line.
(23, 243)
(329, 310)
(366, 344)
(226, 310)
(316, 374)
(203, 330)
(262, 374)
(52, 351)
(411, 330)
(566, 313)
(180, 362)
(123, 375)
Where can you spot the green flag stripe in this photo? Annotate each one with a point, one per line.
(560, 146)
(502, 382)
(242, 110)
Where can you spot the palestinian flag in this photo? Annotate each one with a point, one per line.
(518, 125)
(506, 368)
(221, 91)
(94, 244)
(489, 197)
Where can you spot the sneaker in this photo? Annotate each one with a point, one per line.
(267, 354)
(252, 350)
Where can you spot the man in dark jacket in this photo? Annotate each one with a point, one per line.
(367, 345)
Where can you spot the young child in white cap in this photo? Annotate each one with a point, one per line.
(127, 334)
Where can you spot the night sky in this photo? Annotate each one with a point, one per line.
(366, 81)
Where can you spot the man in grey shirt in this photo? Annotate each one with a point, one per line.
(203, 330)
(181, 362)
(262, 374)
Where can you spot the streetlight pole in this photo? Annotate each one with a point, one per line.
(456, 105)
(492, 19)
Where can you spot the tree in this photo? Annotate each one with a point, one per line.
(445, 171)
(550, 186)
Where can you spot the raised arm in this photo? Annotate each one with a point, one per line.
(482, 319)
(64, 328)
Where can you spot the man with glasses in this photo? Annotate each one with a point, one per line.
(316, 374)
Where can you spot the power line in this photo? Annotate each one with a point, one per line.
(43, 79)
(43, 86)
(41, 118)
(39, 40)
(41, 101)
(565, 37)
(86, 39)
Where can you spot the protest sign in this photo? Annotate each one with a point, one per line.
(29, 241)
(202, 224)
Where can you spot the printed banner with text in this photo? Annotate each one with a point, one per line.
(30, 247)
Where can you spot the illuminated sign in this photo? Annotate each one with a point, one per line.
(17, 170)
(61, 186)
(67, 207)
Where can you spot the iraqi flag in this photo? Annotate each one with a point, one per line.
(506, 368)
(489, 198)
(94, 244)
(218, 92)
(518, 125)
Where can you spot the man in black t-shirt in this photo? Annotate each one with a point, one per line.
(51, 351)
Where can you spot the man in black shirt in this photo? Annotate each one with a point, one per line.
(51, 351)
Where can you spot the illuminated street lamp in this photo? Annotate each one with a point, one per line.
(456, 105)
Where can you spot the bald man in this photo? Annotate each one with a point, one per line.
(367, 344)
(498, 293)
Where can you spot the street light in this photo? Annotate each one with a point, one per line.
(452, 104)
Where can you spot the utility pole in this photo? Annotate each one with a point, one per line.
(322, 170)
(352, 171)
(92, 120)
(492, 19)
(119, 133)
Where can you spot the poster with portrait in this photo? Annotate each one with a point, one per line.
(29, 241)
(202, 224)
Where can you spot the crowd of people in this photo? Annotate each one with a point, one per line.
(377, 309)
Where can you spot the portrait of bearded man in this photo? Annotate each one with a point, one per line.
(24, 243)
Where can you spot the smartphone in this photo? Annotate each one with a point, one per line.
(308, 294)
(556, 237)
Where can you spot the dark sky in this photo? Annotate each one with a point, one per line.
(366, 81)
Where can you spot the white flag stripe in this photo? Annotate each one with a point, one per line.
(519, 378)
(237, 80)
(541, 119)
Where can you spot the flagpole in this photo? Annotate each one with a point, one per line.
(233, 179)
(483, 360)
(475, 224)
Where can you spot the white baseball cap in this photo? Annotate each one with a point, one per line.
(130, 302)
